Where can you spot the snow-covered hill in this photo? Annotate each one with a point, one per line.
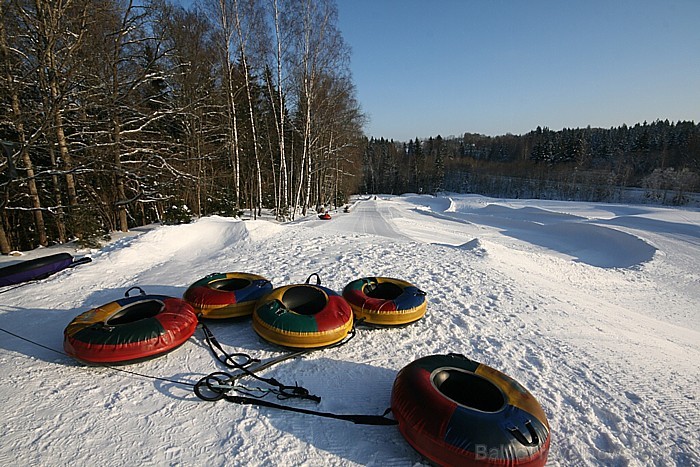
(595, 308)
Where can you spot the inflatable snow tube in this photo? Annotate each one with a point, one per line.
(325, 216)
(302, 316)
(130, 329)
(227, 295)
(455, 411)
(38, 268)
(385, 301)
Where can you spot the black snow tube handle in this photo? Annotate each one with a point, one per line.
(459, 355)
(126, 294)
(318, 279)
(517, 434)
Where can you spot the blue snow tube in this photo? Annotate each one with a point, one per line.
(38, 268)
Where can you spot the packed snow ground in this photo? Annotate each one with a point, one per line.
(595, 308)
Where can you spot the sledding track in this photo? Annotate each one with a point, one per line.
(369, 217)
(610, 353)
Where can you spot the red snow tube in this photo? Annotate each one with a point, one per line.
(385, 301)
(325, 216)
(455, 411)
(129, 329)
(227, 295)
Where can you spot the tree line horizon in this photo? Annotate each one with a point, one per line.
(661, 158)
(117, 114)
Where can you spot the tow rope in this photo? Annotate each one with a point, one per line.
(225, 382)
(218, 385)
(241, 361)
(358, 419)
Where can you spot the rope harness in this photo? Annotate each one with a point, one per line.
(218, 385)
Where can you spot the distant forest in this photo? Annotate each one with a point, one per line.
(586, 164)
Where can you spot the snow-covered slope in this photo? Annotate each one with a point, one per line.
(595, 308)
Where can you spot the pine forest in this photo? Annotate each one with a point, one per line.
(661, 159)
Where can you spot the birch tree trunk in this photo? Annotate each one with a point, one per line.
(280, 114)
(5, 246)
(244, 36)
(58, 199)
(226, 56)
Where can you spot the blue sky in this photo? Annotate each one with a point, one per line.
(428, 67)
(423, 68)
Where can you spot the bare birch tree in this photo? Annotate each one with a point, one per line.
(248, 24)
(276, 92)
(318, 49)
(222, 12)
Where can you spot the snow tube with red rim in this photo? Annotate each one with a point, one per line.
(302, 316)
(385, 301)
(227, 295)
(455, 411)
(325, 216)
(130, 329)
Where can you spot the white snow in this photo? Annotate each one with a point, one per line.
(595, 308)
